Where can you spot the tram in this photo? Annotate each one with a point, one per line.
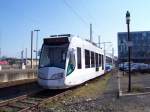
(67, 61)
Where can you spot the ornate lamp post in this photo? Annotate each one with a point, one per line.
(129, 49)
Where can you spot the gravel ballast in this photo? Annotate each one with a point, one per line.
(106, 102)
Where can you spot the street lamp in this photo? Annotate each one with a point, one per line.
(36, 44)
(129, 49)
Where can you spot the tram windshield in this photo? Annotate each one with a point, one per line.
(53, 56)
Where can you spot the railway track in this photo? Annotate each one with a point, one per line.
(18, 90)
(31, 102)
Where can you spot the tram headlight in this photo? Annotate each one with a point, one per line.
(57, 76)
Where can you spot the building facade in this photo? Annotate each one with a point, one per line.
(140, 50)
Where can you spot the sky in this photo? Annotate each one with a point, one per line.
(19, 17)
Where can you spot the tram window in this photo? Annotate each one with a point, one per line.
(53, 56)
(63, 55)
(96, 56)
(79, 58)
(92, 59)
(71, 64)
(102, 62)
(99, 59)
(87, 59)
(45, 58)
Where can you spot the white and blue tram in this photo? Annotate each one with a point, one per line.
(67, 61)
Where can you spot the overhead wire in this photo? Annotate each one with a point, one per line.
(75, 12)
(83, 20)
(88, 18)
(88, 14)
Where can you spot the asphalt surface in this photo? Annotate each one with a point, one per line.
(108, 102)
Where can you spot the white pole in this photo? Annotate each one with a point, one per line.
(112, 57)
(26, 56)
(0, 54)
(99, 40)
(36, 46)
(104, 56)
(91, 32)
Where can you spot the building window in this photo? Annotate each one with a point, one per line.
(120, 48)
(92, 59)
(79, 58)
(144, 34)
(87, 59)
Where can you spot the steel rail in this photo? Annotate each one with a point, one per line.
(27, 104)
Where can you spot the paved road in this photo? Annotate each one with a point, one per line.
(109, 102)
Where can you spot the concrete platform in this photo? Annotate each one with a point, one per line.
(16, 75)
(17, 82)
